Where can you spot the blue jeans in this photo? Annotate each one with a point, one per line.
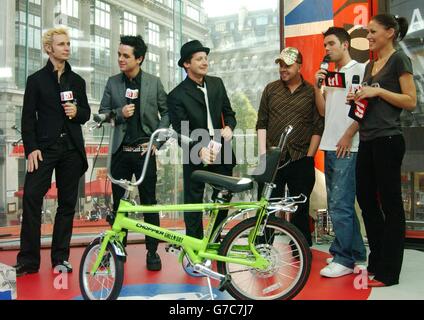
(348, 246)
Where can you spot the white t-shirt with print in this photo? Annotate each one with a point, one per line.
(336, 110)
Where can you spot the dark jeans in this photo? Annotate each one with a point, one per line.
(193, 193)
(299, 176)
(68, 164)
(378, 188)
(124, 166)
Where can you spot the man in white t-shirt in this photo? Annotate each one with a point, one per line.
(340, 143)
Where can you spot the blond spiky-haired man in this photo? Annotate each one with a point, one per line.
(55, 106)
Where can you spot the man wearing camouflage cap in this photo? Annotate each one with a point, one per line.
(290, 101)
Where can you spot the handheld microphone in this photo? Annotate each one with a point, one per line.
(324, 65)
(131, 94)
(357, 108)
(355, 84)
(67, 96)
(103, 117)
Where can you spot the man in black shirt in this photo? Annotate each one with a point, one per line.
(137, 98)
(55, 107)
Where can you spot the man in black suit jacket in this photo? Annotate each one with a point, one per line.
(199, 107)
(55, 107)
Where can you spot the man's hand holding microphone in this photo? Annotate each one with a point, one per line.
(128, 110)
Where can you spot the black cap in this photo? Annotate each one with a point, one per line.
(189, 48)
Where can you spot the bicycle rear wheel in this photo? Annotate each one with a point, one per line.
(106, 283)
(282, 245)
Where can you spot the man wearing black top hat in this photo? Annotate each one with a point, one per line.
(199, 107)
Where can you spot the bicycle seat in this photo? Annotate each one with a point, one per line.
(221, 182)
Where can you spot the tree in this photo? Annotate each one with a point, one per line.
(245, 113)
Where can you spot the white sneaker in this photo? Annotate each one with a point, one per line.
(360, 264)
(334, 270)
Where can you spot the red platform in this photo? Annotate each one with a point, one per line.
(41, 286)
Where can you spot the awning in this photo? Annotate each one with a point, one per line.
(100, 187)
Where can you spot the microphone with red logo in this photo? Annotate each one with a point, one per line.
(357, 108)
(67, 96)
(131, 95)
(324, 66)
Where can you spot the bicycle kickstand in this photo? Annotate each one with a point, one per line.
(210, 289)
(205, 270)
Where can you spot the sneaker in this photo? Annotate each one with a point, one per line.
(153, 261)
(22, 269)
(358, 264)
(335, 270)
(63, 266)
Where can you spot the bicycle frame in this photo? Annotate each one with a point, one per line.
(196, 249)
(249, 249)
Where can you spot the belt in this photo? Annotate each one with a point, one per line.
(138, 148)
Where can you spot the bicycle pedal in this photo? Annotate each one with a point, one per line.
(224, 283)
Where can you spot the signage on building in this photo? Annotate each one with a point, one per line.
(91, 150)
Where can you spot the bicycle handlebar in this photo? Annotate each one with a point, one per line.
(158, 135)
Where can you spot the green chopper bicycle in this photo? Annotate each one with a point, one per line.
(262, 257)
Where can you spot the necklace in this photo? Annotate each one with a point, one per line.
(380, 63)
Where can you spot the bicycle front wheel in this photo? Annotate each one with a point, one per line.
(282, 245)
(106, 282)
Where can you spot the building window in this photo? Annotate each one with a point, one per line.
(34, 30)
(74, 34)
(36, 2)
(262, 21)
(153, 63)
(153, 34)
(170, 41)
(100, 50)
(220, 27)
(98, 83)
(101, 15)
(193, 13)
(129, 24)
(69, 7)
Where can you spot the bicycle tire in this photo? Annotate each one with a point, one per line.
(289, 237)
(111, 263)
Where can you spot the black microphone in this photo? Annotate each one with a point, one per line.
(355, 83)
(103, 117)
(324, 65)
(131, 95)
(66, 95)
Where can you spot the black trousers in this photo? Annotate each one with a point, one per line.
(194, 192)
(68, 164)
(378, 189)
(299, 176)
(124, 166)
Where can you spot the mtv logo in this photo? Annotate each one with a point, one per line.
(66, 96)
(7, 282)
(131, 94)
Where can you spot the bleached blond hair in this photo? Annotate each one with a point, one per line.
(48, 36)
